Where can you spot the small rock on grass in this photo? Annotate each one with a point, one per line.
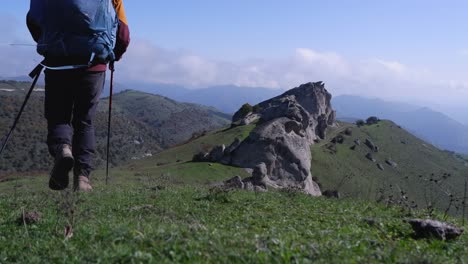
(28, 218)
(434, 229)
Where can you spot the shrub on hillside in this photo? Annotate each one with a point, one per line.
(257, 108)
(360, 123)
(245, 109)
(372, 120)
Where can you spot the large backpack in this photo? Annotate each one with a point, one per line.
(76, 28)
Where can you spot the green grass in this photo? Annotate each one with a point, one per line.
(154, 221)
(160, 210)
(426, 174)
(176, 164)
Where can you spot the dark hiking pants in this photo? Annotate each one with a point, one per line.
(71, 99)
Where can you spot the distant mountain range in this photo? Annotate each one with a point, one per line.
(434, 127)
(227, 98)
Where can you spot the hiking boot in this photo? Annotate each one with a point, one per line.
(82, 184)
(63, 164)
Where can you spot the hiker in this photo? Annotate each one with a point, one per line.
(75, 58)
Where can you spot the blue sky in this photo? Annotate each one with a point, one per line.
(378, 48)
(399, 29)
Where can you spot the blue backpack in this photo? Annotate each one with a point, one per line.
(76, 28)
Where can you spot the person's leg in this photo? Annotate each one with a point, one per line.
(58, 105)
(86, 96)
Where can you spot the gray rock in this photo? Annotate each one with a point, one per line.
(226, 159)
(288, 125)
(249, 119)
(371, 145)
(331, 194)
(348, 132)
(201, 157)
(248, 186)
(234, 183)
(259, 189)
(357, 142)
(380, 166)
(338, 139)
(260, 171)
(217, 153)
(391, 163)
(370, 157)
(232, 147)
(29, 218)
(434, 229)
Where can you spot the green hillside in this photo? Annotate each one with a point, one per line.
(424, 175)
(160, 209)
(142, 125)
(172, 121)
(175, 163)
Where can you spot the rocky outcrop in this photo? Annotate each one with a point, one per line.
(278, 149)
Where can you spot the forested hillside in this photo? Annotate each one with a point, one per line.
(142, 125)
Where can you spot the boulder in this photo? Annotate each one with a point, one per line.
(278, 149)
(338, 139)
(370, 157)
(232, 147)
(248, 185)
(331, 194)
(434, 229)
(371, 145)
(29, 218)
(380, 166)
(357, 142)
(391, 163)
(217, 153)
(348, 132)
(200, 157)
(234, 183)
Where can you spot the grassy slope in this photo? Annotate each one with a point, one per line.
(153, 213)
(175, 162)
(172, 121)
(154, 221)
(420, 172)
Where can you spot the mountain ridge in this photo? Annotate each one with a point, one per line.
(136, 133)
(435, 127)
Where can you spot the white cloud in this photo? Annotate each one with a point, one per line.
(371, 77)
(144, 61)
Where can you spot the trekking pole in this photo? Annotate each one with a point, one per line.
(112, 69)
(464, 202)
(34, 74)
